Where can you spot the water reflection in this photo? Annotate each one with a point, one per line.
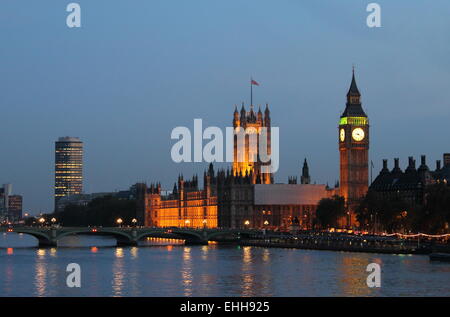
(186, 272)
(40, 283)
(205, 249)
(353, 275)
(134, 252)
(247, 286)
(118, 271)
(214, 270)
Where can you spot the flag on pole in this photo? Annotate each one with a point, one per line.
(254, 82)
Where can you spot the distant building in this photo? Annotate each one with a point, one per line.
(68, 167)
(15, 205)
(409, 185)
(305, 178)
(10, 205)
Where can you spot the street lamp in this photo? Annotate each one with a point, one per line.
(134, 221)
(53, 220)
(187, 222)
(266, 223)
(246, 223)
(41, 221)
(204, 223)
(119, 221)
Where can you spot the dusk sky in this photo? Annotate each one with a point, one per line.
(137, 69)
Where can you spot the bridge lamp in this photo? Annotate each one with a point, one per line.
(187, 222)
(119, 221)
(134, 221)
(266, 222)
(246, 222)
(41, 220)
(53, 220)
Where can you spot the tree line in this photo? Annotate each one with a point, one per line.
(101, 211)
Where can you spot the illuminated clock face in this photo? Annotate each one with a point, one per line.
(358, 134)
(342, 135)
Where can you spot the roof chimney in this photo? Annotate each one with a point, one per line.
(446, 159)
(411, 164)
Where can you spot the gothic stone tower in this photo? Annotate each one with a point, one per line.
(353, 137)
(243, 164)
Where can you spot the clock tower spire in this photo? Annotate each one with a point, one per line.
(354, 152)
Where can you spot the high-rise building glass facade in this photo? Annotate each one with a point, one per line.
(68, 167)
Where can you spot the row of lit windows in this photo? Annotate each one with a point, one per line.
(67, 172)
(69, 177)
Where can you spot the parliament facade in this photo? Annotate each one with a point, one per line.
(245, 196)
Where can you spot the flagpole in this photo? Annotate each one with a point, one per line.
(251, 91)
(371, 168)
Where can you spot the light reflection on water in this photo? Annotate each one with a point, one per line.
(160, 268)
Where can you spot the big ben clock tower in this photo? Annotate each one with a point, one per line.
(354, 152)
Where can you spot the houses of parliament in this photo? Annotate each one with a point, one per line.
(244, 196)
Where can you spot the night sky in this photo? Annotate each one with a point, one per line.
(137, 69)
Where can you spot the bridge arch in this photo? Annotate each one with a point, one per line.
(122, 238)
(43, 238)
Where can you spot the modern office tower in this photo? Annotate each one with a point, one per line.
(15, 205)
(68, 167)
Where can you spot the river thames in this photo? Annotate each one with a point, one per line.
(167, 268)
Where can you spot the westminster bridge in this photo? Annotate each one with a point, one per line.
(129, 236)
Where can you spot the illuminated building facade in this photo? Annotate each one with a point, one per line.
(185, 206)
(353, 136)
(68, 167)
(247, 156)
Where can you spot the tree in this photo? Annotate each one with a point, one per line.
(329, 211)
(102, 211)
(434, 216)
(379, 212)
